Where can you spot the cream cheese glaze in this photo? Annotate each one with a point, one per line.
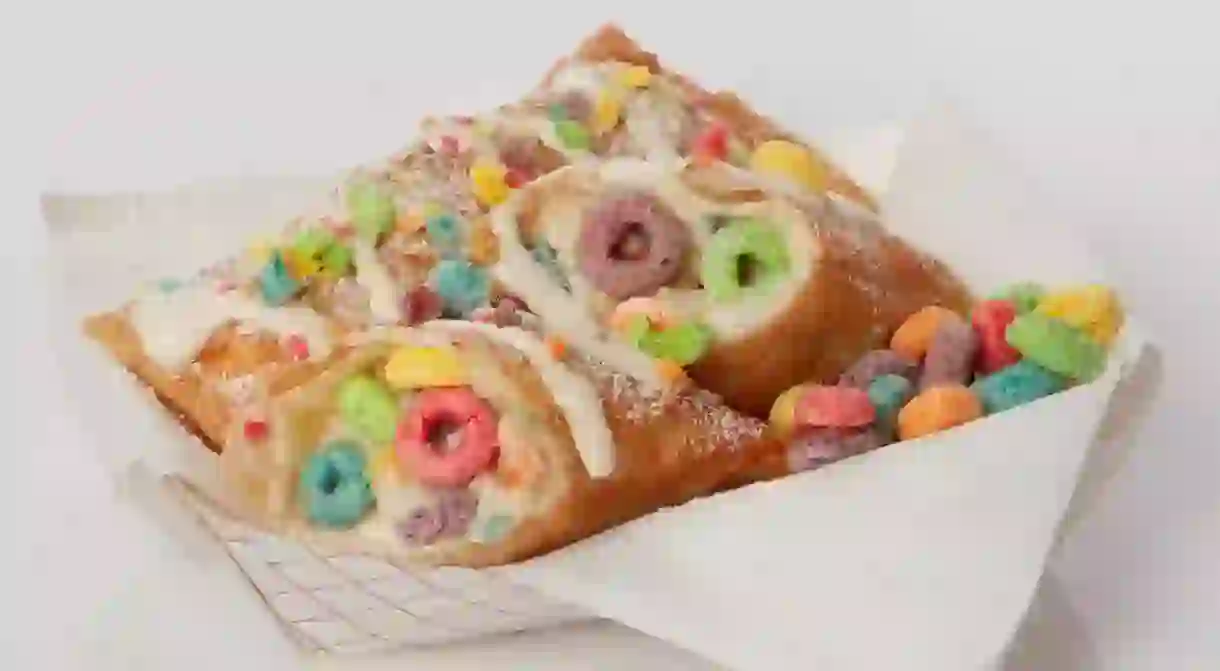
(174, 326)
(375, 279)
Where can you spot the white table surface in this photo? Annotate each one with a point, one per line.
(1114, 108)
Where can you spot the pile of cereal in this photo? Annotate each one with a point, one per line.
(941, 371)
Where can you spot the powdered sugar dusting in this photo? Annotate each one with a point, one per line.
(720, 427)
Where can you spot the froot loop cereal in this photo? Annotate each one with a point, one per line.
(943, 369)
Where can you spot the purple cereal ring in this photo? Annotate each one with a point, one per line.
(631, 245)
(449, 517)
(817, 447)
(457, 510)
(873, 365)
(422, 527)
(950, 357)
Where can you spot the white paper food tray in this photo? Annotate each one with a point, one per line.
(921, 555)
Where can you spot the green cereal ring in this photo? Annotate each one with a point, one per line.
(372, 210)
(1018, 384)
(313, 242)
(683, 344)
(572, 134)
(337, 260)
(1025, 296)
(368, 409)
(746, 255)
(1056, 346)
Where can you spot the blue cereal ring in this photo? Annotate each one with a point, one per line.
(335, 486)
(445, 234)
(888, 393)
(461, 285)
(1018, 384)
(275, 282)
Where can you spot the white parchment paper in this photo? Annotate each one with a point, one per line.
(923, 555)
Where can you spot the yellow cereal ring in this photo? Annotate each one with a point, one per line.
(301, 266)
(915, 334)
(783, 412)
(937, 409)
(422, 367)
(488, 183)
(1093, 308)
(790, 161)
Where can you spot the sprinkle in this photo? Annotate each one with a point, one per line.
(260, 251)
(515, 178)
(409, 222)
(482, 248)
(557, 112)
(557, 347)
(255, 430)
(432, 209)
(671, 371)
(421, 304)
(497, 527)
(488, 183)
(712, 144)
(384, 466)
(636, 77)
(298, 347)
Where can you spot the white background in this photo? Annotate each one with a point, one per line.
(1114, 108)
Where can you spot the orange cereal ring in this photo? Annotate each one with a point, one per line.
(914, 336)
(937, 409)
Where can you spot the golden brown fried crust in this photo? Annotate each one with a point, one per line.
(200, 409)
(667, 451)
(610, 43)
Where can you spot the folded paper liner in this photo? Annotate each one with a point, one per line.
(922, 555)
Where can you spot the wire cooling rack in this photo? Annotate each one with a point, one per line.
(337, 603)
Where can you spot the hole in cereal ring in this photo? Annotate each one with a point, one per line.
(330, 481)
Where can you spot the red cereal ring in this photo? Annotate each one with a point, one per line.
(991, 319)
(839, 407)
(448, 437)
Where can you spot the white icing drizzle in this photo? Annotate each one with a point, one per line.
(373, 276)
(650, 130)
(524, 276)
(174, 326)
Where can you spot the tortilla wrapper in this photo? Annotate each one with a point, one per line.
(659, 448)
(847, 285)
